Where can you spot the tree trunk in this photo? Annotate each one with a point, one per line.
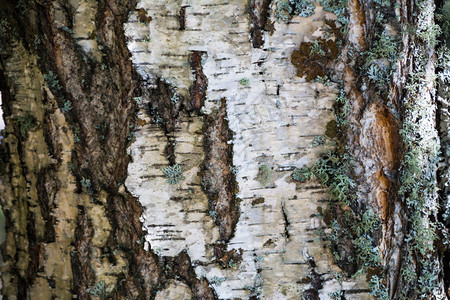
(224, 149)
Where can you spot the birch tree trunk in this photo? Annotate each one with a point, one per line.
(224, 149)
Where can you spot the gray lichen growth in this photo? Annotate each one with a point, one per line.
(264, 176)
(288, 8)
(99, 290)
(173, 174)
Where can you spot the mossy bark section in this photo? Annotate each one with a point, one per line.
(373, 131)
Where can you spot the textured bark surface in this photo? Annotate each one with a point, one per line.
(263, 245)
(73, 229)
(149, 149)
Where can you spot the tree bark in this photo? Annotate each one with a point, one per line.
(149, 147)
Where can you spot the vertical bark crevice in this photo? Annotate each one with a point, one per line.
(218, 179)
(84, 275)
(200, 85)
(46, 204)
(259, 11)
(164, 108)
(287, 224)
(182, 18)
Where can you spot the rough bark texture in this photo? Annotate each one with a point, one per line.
(218, 179)
(259, 11)
(149, 148)
(251, 248)
(73, 229)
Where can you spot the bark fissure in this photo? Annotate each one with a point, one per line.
(164, 108)
(316, 282)
(218, 179)
(200, 85)
(259, 11)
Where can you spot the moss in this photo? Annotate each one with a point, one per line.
(331, 129)
(314, 58)
(25, 124)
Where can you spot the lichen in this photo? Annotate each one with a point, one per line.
(173, 174)
(286, 9)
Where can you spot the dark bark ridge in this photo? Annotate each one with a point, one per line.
(218, 179)
(200, 85)
(259, 11)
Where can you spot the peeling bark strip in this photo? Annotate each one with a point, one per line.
(218, 180)
(198, 89)
(259, 16)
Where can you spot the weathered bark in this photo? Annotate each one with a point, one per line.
(382, 140)
(223, 99)
(73, 229)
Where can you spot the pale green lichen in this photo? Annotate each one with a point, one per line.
(52, 81)
(418, 171)
(339, 8)
(25, 124)
(173, 174)
(99, 290)
(67, 106)
(286, 9)
(217, 281)
(264, 176)
(318, 140)
(244, 81)
(380, 59)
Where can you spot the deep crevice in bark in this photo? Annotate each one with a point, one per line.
(182, 18)
(200, 85)
(218, 180)
(315, 280)
(287, 224)
(164, 108)
(84, 275)
(259, 11)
